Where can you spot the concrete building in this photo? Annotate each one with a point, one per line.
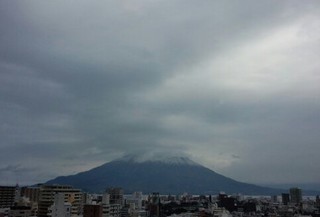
(116, 195)
(23, 208)
(134, 206)
(154, 205)
(318, 201)
(136, 198)
(20, 211)
(285, 198)
(60, 208)
(106, 198)
(31, 192)
(274, 198)
(112, 209)
(295, 195)
(92, 210)
(134, 211)
(7, 196)
(47, 196)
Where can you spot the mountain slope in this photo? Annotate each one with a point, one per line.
(173, 177)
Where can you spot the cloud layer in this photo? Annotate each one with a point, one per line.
(234, 85)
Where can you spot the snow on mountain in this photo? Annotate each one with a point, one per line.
(159, 158)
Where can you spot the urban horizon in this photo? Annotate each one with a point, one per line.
(172, 96)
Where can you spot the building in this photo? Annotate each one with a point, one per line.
(154, 205)
(7, 196)
(47, 197)
(60, 208)
(135, 198)
(92, 210)
(285, 198)
(112, 209)
(134, 206)
(31, 192)
(20, 211)
(295, 195)
(116, 195)
(274, 198)
(318, 201)
(134, 211)
(23, 208)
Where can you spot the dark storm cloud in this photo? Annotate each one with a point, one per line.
(220, 81)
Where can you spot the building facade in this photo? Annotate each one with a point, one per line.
(71, 195)
(7, 196)
(116, 195)
(295, 195)
(92, 210)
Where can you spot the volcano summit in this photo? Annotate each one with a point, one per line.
(171, 175)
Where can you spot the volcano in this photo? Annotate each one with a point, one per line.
(174, 175)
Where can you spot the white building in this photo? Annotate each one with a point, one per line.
(71, 195)
(60, 208)
(110, 210)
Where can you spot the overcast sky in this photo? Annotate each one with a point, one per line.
(234, 85)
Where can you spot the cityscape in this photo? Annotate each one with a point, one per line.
(65, 201)
(174, 186)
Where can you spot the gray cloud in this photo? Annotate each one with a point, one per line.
(234, 85)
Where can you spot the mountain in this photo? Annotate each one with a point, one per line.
(168, 176)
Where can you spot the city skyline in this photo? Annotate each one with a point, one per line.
(232, 85)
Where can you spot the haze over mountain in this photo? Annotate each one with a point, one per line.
(170, 175)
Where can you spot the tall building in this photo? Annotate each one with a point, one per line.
(295, 195)
(137, 199)
(7, 196)
(285, 198)
(47, 195)
(274, 198)
(318, 201)
(112, 209)
(90, 210)
(60, 208)
(116, 195)
(31, 192)
(154, 205)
